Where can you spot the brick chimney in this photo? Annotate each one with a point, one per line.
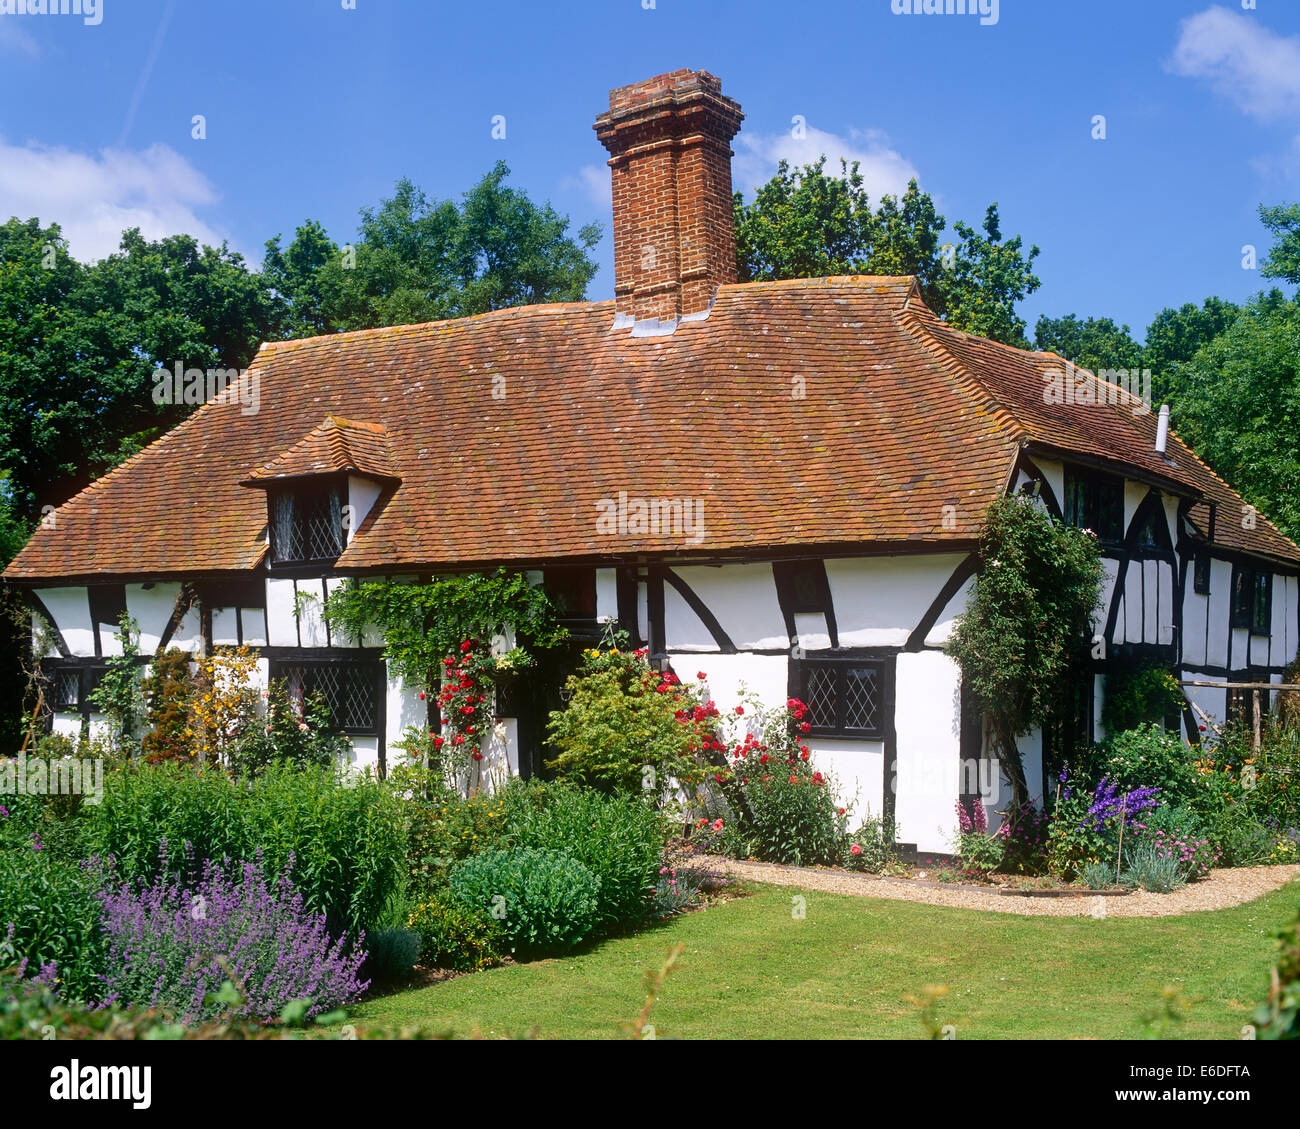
(669, 140)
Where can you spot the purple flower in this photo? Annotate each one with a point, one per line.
(1109, 801)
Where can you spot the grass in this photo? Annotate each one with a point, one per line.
(751, 970)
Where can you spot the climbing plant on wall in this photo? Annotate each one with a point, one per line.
(1024, 637)
(438, 636)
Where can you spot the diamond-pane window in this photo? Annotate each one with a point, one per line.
(861, 697)
(306, 523)
(66, 689)
(844, 697)
(350, 690)
(819, 697)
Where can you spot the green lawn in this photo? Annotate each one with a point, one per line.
(752, 971)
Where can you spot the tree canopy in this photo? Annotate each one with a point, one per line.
(805, 224)
(420, 260)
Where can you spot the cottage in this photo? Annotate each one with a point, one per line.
(836, 442)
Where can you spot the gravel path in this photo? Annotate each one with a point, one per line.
(1223, 888)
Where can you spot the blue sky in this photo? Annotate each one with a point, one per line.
(314, 110)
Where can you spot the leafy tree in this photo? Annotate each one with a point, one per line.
(806, 224)
(987, 278)
(1095, 344)
(1239, 407)
(79, 344)
(1283, 261)
(1022, 641)
(421, 260)
(1175, 337)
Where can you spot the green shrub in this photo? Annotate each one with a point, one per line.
(545, 900)
(875, 843)
(1098, 875)
(622, 719)
(391, 954)
(50, 914)
(290, 734)
(617, 839)
(1241, 839)
(346, 837)
(1148, 757)
(167, 692)
(456, 936)
(1152, 871)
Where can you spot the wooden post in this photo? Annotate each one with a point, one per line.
(36, 713)
(1119, 855)
(1255, 741)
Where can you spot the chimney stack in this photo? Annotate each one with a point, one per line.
(669, 140)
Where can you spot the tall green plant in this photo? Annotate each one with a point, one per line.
(1023, 638)
(120, 694)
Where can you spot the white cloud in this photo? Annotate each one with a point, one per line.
(95, 197)
(1254, 67)
(594, 181)
(885, 171)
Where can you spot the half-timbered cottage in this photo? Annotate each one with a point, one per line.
(780, 484)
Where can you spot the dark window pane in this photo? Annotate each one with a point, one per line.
(1262, 610)
(1243, 586)
(66, 689)
(574, 589)
(306, 524)
(1201, 576)
(1110, 510)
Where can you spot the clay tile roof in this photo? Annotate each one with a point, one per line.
(827, 412)
(336, 446)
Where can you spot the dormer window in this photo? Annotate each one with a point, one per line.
(322, 491)
(1095, 501)
(306, 521)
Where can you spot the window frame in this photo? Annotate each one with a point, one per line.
(1202, 570)
(1091, 483)
(1249, 584)
(841, 666)
(277, 671)
(88, 672)
(814, 597)
(298, 490)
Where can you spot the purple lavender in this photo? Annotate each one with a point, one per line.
(164, 940)
(1109, 800)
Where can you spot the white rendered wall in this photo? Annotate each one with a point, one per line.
(927, 719)
(70, 610)
(742, 598)
(879, 601)
(151, 608)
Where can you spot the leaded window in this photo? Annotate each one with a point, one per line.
(351, 690)
(844, 698)
(306, 523)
